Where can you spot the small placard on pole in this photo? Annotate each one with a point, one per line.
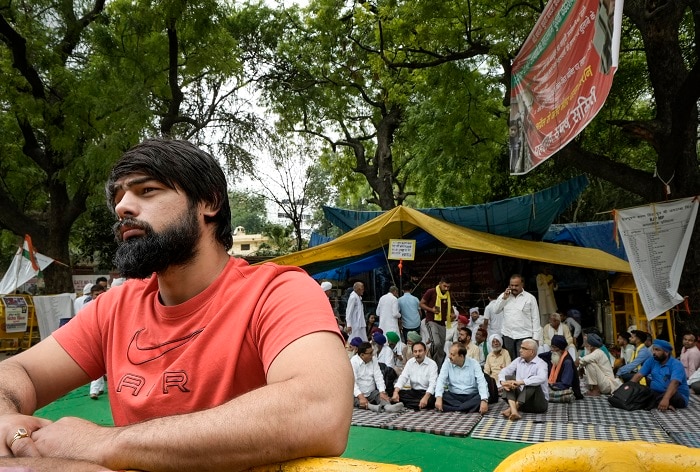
(402, 249)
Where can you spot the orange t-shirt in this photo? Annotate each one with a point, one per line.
(165, 360)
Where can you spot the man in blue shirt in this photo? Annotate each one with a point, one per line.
(410, 314)
(666, 377)
(640, 356)
(467, 389)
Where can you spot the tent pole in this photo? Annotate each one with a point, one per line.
(431, 267)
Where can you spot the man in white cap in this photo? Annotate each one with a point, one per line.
(475, 320)
(326, 287)
(498, 358)
(80, 301)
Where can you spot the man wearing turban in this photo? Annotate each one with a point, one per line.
(562, 369)
(599, 374)
(667, 377)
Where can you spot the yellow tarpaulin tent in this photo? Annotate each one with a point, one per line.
(400, 221)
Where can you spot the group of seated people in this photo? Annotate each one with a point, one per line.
(391, 375)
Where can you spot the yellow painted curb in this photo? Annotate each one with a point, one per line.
(602, 456)
(333, 464)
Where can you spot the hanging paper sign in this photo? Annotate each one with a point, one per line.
(656, 238)
(402, 249)
(16, 314)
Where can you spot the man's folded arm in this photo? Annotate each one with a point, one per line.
(37, 376)
(305, 410)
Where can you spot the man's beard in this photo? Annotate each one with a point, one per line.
(661, 357)
(555, 357)
(141, 256)
(496, 349)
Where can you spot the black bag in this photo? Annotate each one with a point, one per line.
(632, 396)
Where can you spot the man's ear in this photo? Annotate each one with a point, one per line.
(209, 210)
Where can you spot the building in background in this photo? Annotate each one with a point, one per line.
(246, 244)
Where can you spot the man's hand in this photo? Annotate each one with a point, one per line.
(23, 447)
(74, 438)
(483, 407)
(385, 397)
(362, 401)
(395, 397)
(424, 401)
(665, 404)
(438, 403)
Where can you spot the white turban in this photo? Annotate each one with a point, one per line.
(326, 286)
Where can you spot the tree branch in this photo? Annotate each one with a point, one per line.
(75, 27)
(633, 180)
(172, 116)
(20, 61)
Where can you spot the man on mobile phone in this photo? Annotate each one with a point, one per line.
(521, 316)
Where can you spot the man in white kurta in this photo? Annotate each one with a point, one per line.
(599, 374)
(369, 388)
(355, 313)
(556, 327)
(521, 316)
(415, 387)
(493, 321)
(388, 311)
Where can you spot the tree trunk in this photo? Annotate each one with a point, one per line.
(380, 171)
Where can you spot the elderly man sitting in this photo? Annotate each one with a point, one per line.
(498, 358)
(556, 327)
(563, 379)
(525, 382)
(599, 373)
(461, 385)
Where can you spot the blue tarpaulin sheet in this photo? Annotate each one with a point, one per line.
(526, 217)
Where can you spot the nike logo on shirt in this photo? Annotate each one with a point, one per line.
(138, 355)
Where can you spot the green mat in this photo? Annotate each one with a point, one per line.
(78, 403)
(430, 452)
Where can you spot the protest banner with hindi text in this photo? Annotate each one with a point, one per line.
(561, 77)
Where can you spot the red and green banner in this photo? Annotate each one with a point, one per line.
(561, 77)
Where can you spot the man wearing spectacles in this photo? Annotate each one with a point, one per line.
(525, 382)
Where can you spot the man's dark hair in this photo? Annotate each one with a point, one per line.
(97, 288)
(641, 335)
(461, 349)
(444, 279)
(690, 333)
(364, 347)
(625, 335)
(419, 343)
(177, 163)
(101, 279)
(466, 330)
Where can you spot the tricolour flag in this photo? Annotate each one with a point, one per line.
(26, 264)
